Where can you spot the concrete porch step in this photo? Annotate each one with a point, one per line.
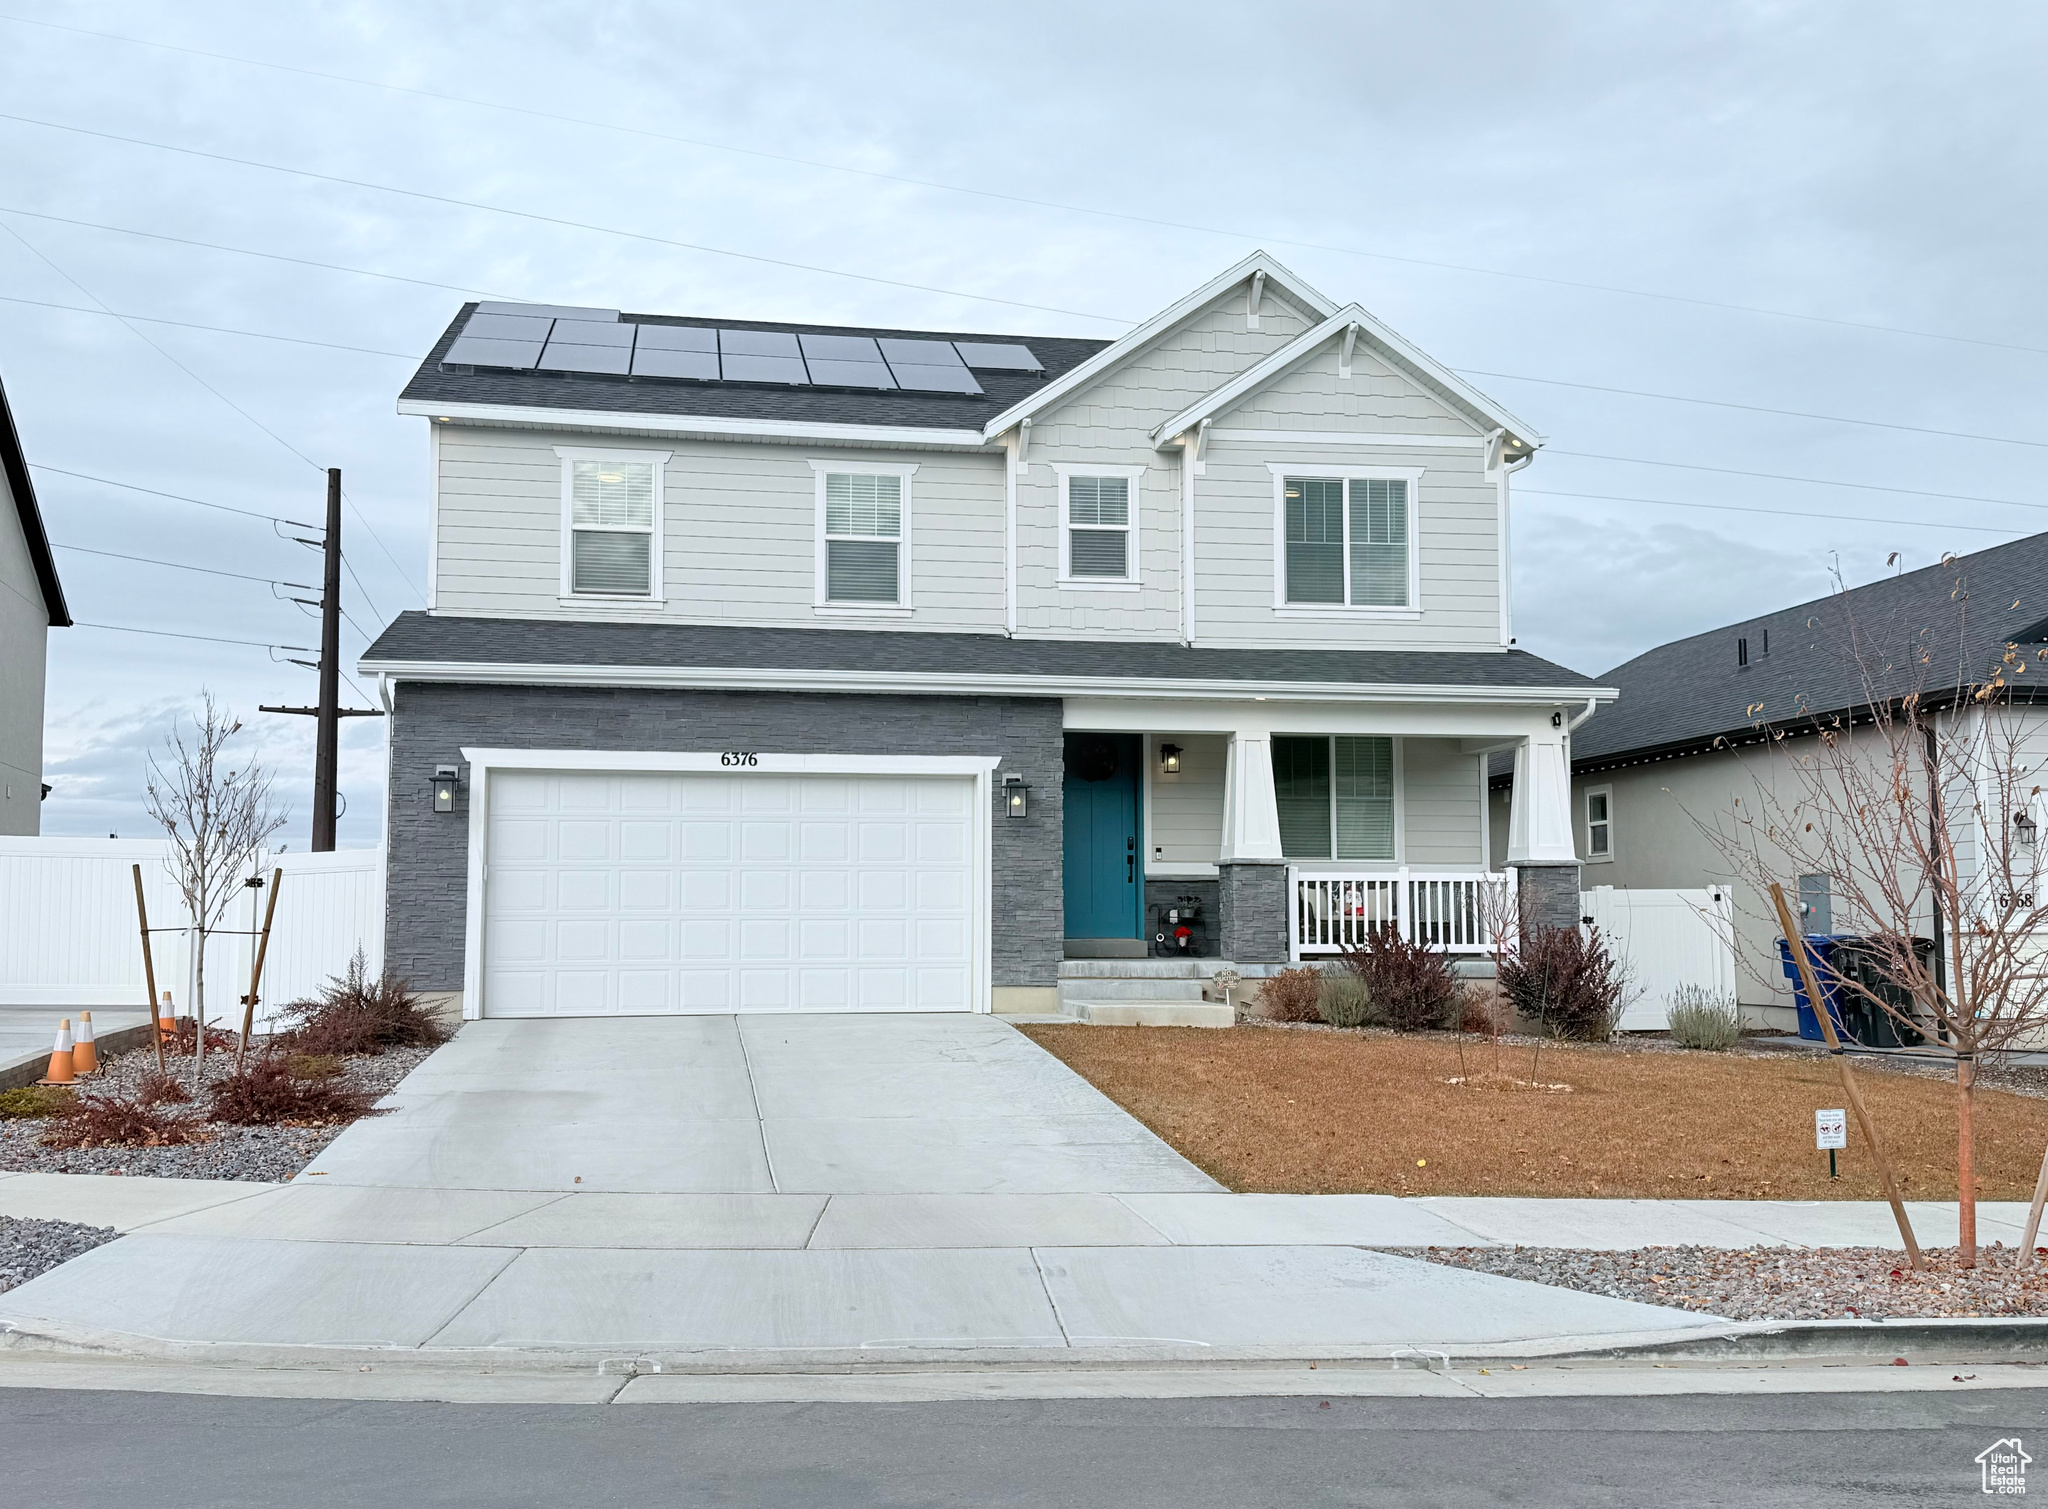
(1138, 969)
(1132, 990)
(1149, 1013)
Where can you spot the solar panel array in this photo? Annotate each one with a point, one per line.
(562, 338)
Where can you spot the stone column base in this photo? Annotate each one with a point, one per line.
(1251, 911)
(1547, 896)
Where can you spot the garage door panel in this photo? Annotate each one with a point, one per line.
(630, 893)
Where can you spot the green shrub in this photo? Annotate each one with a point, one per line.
(1700, 1019)
(1411, 985)
(1293, 994)
(1567, 981)
(33, 1101)
(1344, 1002)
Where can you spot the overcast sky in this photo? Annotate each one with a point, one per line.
(1491, 180)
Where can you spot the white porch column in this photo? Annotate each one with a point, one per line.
(1251, 813)
(1540, 808)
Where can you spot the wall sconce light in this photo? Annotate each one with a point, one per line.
(1016, 798)
(446, 779)
(2024, 829)
(1169, 758)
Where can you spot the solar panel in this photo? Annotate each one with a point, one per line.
(920, 353)
(998, 358)
(508, 327)
(593, 333)
(549, 311)
(846, 361)
(481, 351)
(953, 379)
(653, 361)
(677, 338)
(761, 356)
(561, 356)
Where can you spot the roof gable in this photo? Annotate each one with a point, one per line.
(14, 465)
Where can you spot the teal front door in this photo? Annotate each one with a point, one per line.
(1103, 870)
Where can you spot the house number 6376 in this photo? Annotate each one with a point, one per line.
(739, 757)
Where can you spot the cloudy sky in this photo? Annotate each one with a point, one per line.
(1826, 209)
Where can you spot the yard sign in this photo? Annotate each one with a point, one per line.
(1831, 1129)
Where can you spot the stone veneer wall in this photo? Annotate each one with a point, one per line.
(1252, 912)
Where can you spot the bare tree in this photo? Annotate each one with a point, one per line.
(218, 820)
(1920, 804)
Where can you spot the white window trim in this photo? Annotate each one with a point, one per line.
(1412, 475)
(821, 603)
(657, 569)
(1129, 582)
(1586, 814)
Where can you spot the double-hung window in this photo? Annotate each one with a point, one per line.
(611, 524)
(1336, 797)
(1098, 526)
(1600, 823)
(1346, 541)
(863, 537)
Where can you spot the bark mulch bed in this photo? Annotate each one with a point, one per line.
(1318, 1111)
(1780, 1283)
(28, 1248)
(266, 1153)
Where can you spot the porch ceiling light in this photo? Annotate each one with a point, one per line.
(1016, 796)
(446, 779)
(1169, 758)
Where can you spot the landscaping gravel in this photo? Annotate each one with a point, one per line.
(1781, 1283)
(265, 1153)
(28, 1248)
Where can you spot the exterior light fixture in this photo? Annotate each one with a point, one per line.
(2024, 829)
(446, 779)
(1169, 758)
(1016, 796)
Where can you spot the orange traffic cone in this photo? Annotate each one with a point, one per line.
(167, 1019)
(85, 1054)
(60, 1060)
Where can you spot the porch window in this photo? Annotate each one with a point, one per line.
(611, 528)
(1347, 541)
(1336, 797)
(863, 537)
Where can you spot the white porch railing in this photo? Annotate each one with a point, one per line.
(1336, 910)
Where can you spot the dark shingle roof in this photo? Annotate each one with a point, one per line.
(730, 400)
(1925, 630)
(420, 637)
(14, 466)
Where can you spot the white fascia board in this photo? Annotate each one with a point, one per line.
(1129, 345)
(765, 763)
(726, 678)
(700, 427)
(1249, 381)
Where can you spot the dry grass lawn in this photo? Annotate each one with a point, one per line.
(1308, 1112)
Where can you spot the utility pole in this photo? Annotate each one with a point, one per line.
(330, 712)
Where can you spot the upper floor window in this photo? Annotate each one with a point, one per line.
(863, 537)
(1099, 526)
(611, 524)
(1346, 542)
(1336, 797)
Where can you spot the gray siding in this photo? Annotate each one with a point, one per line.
(427, 861)
(1440, 807)
(1186, 825)
(24, 637)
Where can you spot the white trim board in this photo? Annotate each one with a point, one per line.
(1364, 439)
(485, 761)
(697, 427)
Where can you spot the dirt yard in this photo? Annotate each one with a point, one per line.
(1295, 1111)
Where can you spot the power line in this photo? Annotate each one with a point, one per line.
(175, 497)
(494, 209)
(208, 638)
(261, 335)
(1782, 513)
(1730, 471)
(1020, 199)
(181, 566)
(246, 251)
(1752, 408)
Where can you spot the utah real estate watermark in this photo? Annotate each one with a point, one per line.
(2004, 1465)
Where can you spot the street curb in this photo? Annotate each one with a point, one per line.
(27, 1071)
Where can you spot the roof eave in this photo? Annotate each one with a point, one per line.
(14, 462)
(699, 426)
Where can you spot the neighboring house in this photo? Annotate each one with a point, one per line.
(1693, 730)
(31, 604)
(776, 667)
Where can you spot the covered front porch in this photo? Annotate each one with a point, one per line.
(1265, 831)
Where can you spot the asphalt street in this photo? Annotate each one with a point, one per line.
(94, 1448)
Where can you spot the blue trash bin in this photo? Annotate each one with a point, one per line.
(1821, 951)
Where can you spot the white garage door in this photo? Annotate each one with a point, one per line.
(704, 892)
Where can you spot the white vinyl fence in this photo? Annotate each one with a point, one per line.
(68, 930)
(1665, 939)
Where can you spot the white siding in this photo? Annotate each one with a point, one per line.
(24, 633)
(1185, 825)
(739, 535)
(1440, 806)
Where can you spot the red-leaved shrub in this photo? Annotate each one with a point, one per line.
(114, 1121)
(1567, 981)
(355, 1014)
(267, 1093)
(1292, 995)
(1411, 985)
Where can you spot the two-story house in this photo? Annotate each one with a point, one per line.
(782, 668)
